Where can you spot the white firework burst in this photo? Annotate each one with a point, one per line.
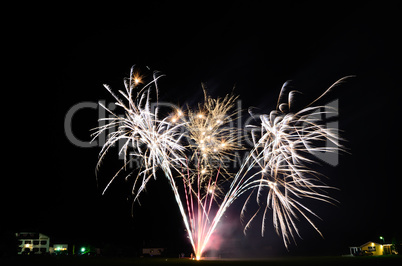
(282, 148)
(153, 141)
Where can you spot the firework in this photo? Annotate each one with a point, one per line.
(193, 148)
(155, 142)
(281, 148)
(211, 137)
(212, 141)
(197, 163)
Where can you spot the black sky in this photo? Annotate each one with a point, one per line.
(61, 55)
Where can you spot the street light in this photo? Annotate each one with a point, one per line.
(382, 238)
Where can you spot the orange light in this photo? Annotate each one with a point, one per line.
(137, 78)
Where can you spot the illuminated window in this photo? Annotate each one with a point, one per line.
(371, 248)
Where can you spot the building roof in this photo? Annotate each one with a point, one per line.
(30, 235)
(368, 243)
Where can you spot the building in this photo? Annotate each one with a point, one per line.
(371, 249)
(59, 249)
(32, 243)
(153, 251)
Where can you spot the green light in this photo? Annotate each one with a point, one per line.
(83, 249)
(381, 238)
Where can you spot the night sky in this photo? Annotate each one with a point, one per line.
(60, 56)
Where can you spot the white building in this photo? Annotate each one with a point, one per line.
(35, 243)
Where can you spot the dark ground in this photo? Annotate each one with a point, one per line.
(380, 260)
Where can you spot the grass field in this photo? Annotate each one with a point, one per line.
(60, 261)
